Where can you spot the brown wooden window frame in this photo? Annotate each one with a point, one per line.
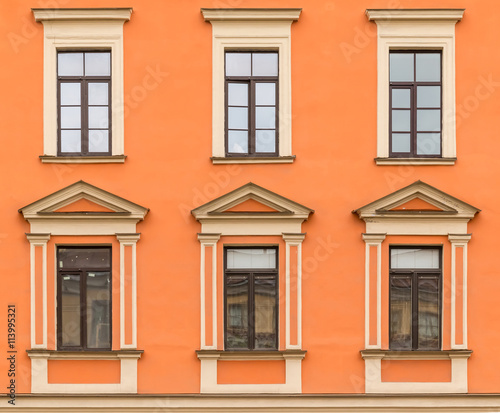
(84, 126)
(83, 297)
(250, 81)
(250, 274)
(412, 86)
(416, 274)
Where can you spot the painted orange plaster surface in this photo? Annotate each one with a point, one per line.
(168, 144)
(251, 372)
(434, 371)
(83, 205)
(250, 205)
(84, 371)
(416, 204)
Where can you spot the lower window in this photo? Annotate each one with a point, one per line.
(415, 298)
(84, 298)
(251, 298)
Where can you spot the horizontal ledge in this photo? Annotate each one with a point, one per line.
(42, 14)
(216, 160)
(276, 14)
(250, 355)
(414, 355)
(83, 159)
(453, 15)
(84, 355)
(415, 161)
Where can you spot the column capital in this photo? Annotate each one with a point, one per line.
(374, 238)
(293, 237)
(206, 238)
(37, 238)
(128, 238)
(459, 238)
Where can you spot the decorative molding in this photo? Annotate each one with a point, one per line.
(87, 28)
(83, 159)
(128, 371)
(251, 29)
(243, 160)
(424, 29)
(415, 161)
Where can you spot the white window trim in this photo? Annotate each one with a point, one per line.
(82, 29)
(251, 29)
(426, 29)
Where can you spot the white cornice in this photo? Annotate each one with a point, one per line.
(251, 14)
(123, 14)
(453, 15)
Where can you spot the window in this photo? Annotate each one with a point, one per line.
(83, 51)
(415, 101)
(251, 298)
(84, 298)
(84, 95)
(415, 298)
(251, 103)
(422, 131)
(251, 85)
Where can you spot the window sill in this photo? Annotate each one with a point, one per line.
(84, 355)
(415, 355)
(250, 355)
(415, 161)
(83, 159)
(242, 160)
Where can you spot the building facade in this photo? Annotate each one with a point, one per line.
(248, 205)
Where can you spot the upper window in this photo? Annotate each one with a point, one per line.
(84, 92)
(251, 299)
(84, 298)
(251, 85)
(251, 103)
(83, 97)
(415, 101)
(416, 85)
(415, 298)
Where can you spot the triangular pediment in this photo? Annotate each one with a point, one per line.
(251, 200)
(417, 199)
(81, 200)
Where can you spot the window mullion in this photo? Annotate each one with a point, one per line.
(251, 312)
(83, 312)
(414, 308)
(251, 114)
(85, 111)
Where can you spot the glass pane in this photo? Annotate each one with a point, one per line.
(237, 141)
(84, 257)
(265, 315)
(401, 121)
(97, 64)
(71, 117)
(70, 94)
(400, 313)
(265, 93)
(428, 143)
(98, 309)
(98, 117)
(400, 142)
(237, 312)
(70, 64)
(237, 118)
(401, 98)
(265, 140)
(71, 140)
(428, 96)
(401, 67)
(414, 258)
(428, 67)
(98, 140)
(70, 310)
(237, 94)
(265, 64)
(98, 93)
(428, 120)
(251, 258)
(238, 64)
(265, 117)
(428, 313)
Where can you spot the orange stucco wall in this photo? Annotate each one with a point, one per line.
(168, 169)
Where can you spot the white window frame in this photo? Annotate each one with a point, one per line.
(417, 29)
(70, 29)
(251, 29)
